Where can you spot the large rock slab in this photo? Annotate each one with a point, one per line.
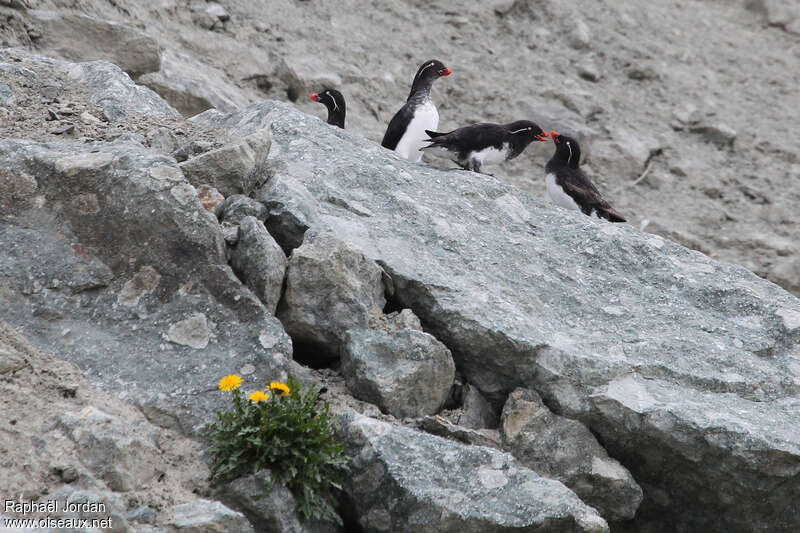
(407, 373)
(118, 96)
(405, 480)
(565, 450)
(116, 265)
(685, 368)
(82, 38)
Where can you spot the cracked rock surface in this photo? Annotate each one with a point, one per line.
(684, 367)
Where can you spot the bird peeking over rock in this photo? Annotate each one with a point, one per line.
(334, 101)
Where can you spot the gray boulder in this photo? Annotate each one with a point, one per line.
(565, 450)
(259, 261)
(270, 505)
(236, 168)
(239, 206)
(660, 351)
(113, 449)
(118, 96)
(405, 480)
(291, 210)
(407, 373)
(82, 38)
(477, 412)
(118, 256)
(191, 86)
(331, 287)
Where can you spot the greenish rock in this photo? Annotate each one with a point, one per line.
(687, 369)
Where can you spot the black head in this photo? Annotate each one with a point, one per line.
(567, 149)
(429, 72)
(527, 130)
(334, 101)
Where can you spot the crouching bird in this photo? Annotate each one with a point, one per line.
(474, 146)
(569, 186)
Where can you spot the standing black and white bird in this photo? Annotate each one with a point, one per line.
(334, 101)
(406, 132)
(569, 186)
(481, 144)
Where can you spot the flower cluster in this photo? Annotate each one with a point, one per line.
(232, 382)
(284, 429)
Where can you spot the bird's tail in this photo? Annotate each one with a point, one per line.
(434, 134)
(610, 214)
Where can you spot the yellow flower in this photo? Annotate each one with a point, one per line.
(283, 387)
(231, 382)
(259, 396)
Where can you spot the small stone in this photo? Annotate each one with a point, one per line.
(191, 149)
(6, 95)
(193, 332)
(184, 193)
(88, 118)
(589, 70)
(50, 91)
(204, 19)
(687, 114)
(218, 11)
(61, 130)
(211, 199)
(719, 134)
(580, 37)
(52, 115)
(502, 7)
(230, 232)
(10, 361)
(643, 73)
(164, 141)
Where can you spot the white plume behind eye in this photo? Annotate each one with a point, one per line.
(569, 145)
(423, 69)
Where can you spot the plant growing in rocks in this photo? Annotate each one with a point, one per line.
(283, 429)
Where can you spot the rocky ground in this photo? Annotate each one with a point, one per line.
(542, 371)
(698, 94)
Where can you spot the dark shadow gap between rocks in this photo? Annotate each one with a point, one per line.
(313, 355)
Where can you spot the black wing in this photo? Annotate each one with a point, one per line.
(590, 200)
(397, 127)
(473, 137)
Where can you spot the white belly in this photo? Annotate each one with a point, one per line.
(426, 117)
(490, 156)
(557, 194)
